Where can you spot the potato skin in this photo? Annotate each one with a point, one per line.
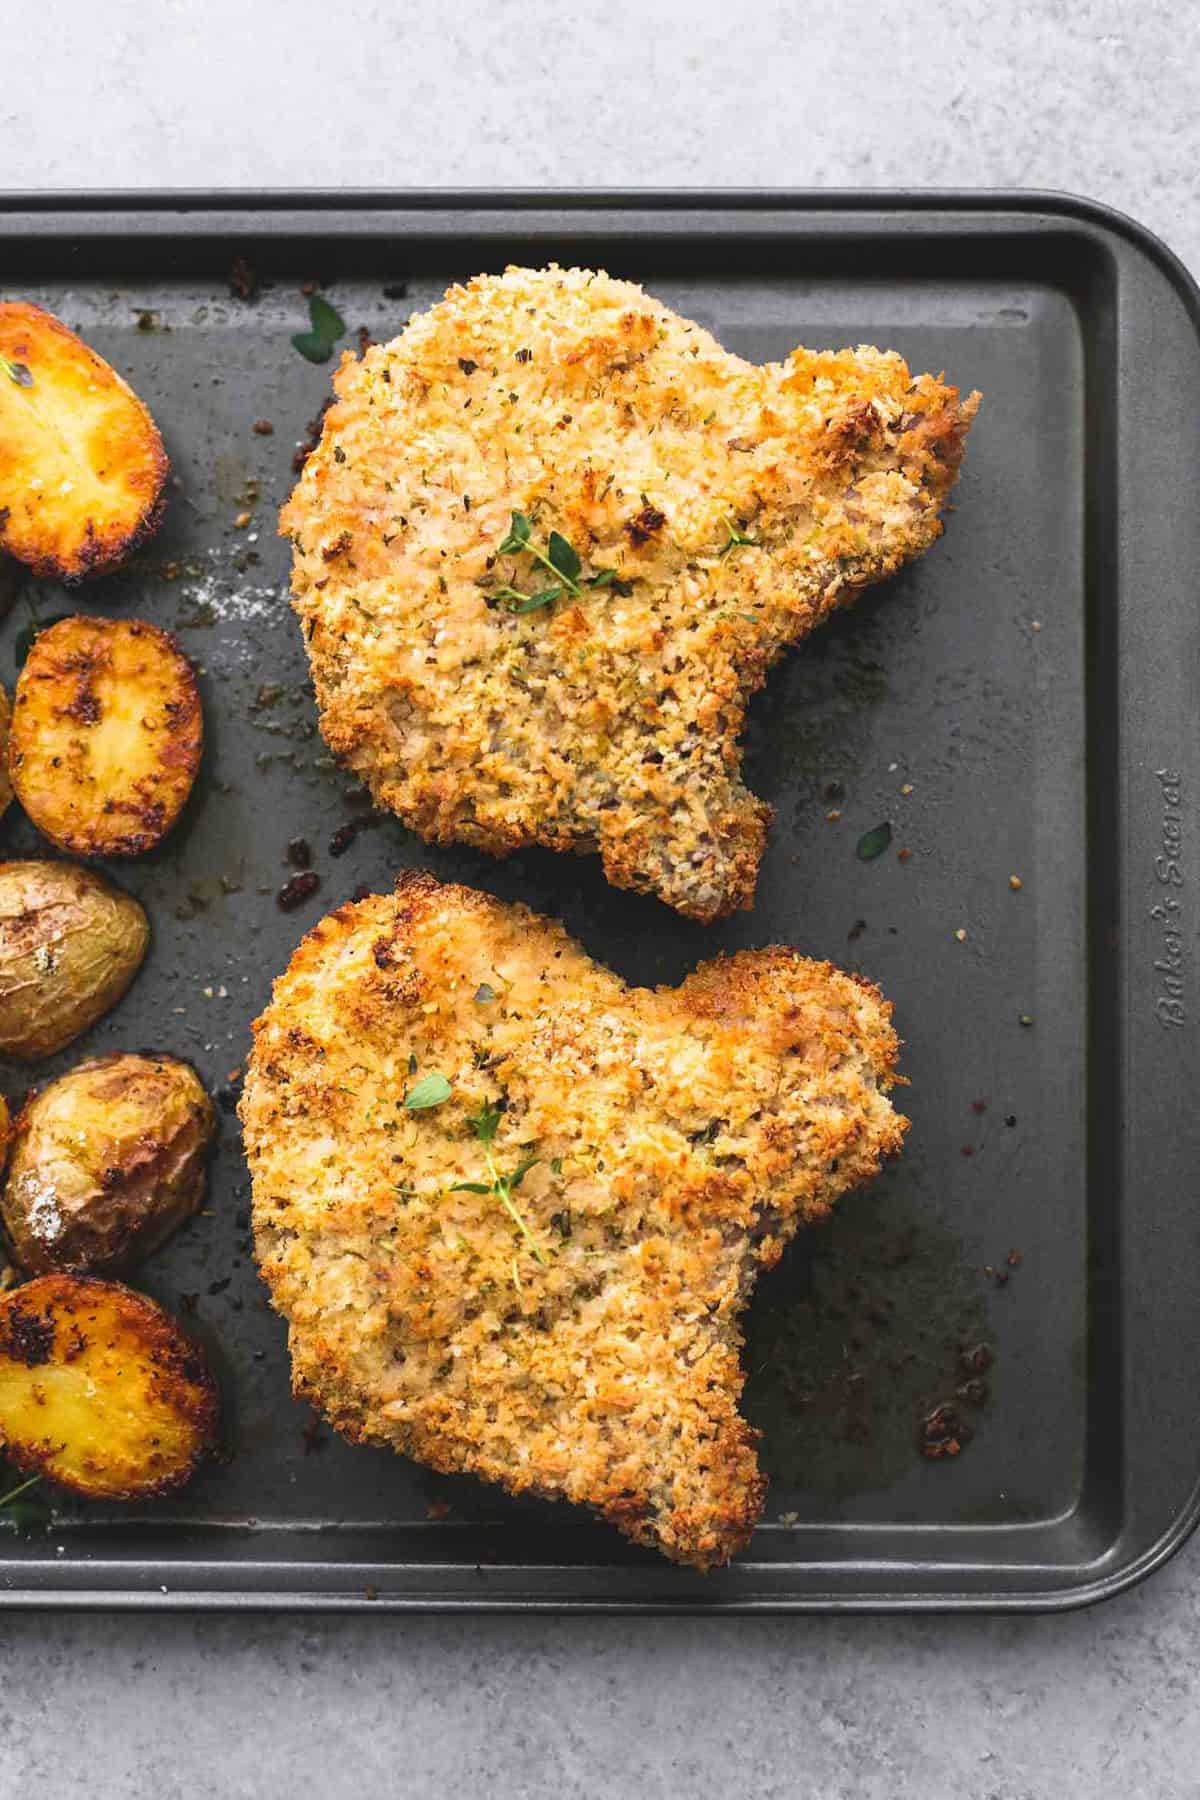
(5, 721)
(83, 470)
(101, 1390)
(70, 944)
(106, 1163)
(106, 735)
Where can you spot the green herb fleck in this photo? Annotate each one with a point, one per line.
(326, 327)
(735, 538)
(556, 1165)
(873, 843)
(18, 373)
(483, 993)
(431, 1090)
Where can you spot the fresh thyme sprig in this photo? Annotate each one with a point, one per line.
(22, 1487)
(560, 557)
(20, 1514)
(484, 1124)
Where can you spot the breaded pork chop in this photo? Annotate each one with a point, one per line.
(513, 1209)
(551, 540)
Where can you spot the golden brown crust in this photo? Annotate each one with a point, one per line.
(83, 470)
(107, 735)
(736, 505)
(101, 1391)
(582, 1342)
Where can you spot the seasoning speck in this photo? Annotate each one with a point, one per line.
(1015, 883)
(1025, 1019)
(975, 1359)
(299, 853)
(295, 892)
(242, 520)
(343, 837)
(263, 428)
(243, 282)
(961, 935)
(942, 1433)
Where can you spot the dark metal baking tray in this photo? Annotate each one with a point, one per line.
(1033, 681)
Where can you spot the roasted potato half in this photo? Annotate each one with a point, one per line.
(106, 735)
(82, 467)
(101, 1390)
(70, 944)
(106, 1162)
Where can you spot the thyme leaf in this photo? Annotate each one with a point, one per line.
(873, 843)
(326, 326)
(485, 1122)
(431, 1090)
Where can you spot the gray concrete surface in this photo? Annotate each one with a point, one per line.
(1099, 97)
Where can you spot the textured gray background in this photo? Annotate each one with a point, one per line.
(1096, 97)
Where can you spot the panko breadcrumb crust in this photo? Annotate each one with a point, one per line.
(737, 506)
(588, 1350)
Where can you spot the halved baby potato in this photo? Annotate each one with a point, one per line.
(107, 1162)
(82, 466)
(106, 735)
(101, 1390)
(70, 944)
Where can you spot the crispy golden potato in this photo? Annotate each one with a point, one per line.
(70, 944)
(106, 735)
(107, 1161)
(101, 1390)
(82, 467)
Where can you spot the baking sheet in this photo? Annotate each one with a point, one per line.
(1019, 702)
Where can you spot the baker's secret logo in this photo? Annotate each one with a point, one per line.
(1170, 970)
